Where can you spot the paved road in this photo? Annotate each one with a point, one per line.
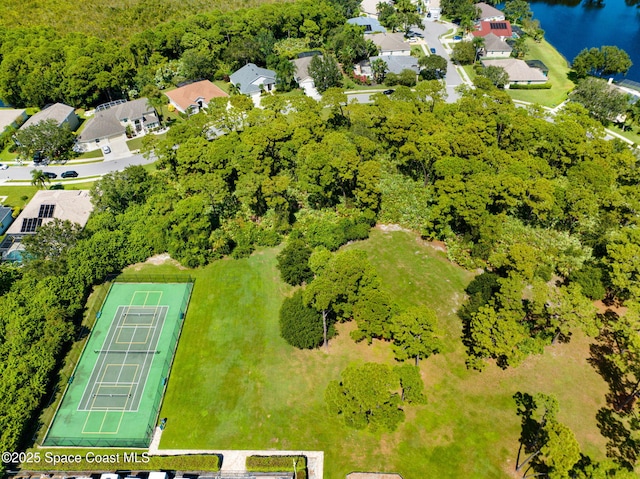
(431, 33)
(89, 169)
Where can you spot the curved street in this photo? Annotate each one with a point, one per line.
(96, 169)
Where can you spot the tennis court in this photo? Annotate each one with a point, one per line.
(114, 395)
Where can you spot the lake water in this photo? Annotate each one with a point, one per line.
(571, 25)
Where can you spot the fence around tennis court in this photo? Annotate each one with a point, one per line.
(145, 440)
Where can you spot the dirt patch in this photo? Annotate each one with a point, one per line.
(392, 228)
(615, 307)
(158, 260)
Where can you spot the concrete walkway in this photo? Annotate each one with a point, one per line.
(234, 461)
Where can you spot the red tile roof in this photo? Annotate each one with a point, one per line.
(500, 28)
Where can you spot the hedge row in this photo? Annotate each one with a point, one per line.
(533, 86)
(277, 464)
(195, 462)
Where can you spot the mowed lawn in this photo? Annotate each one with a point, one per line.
(558, 76)
(236, 384)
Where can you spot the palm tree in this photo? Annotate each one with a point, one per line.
(478, 43)
(39, 179)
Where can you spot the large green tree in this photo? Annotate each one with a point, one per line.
(300, 325)
(325, 72)
(604, 102)
(47, 137)
(366, 397)
(607, 60)
(415, 334)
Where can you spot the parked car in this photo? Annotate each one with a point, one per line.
(69, 174)
(3, 166)
(457, 38)
(49, 175)
(412, 39)
(388, 92)
(432, 50)
(106, 150)
(57, 186)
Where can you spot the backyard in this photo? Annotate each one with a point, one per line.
(558, 76)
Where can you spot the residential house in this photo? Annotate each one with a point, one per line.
(494, 47)
(370, 7)
(397, 63)
(305, 81)
(12, 118)
(371, 25)
(539, 64)
(391, 43)
(59, 112)
(46, 205)
(501, 30)
(193, 97)
(252, 80)
(6, 218)
(489, 13)
(519, 72)
(112, 119)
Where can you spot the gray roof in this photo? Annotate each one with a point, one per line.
(371, 25)
(517, 70)
(397, 63)
(58, 112)
(392, 42)
(492, 43)
(106, 123)
(9, 116)
(302, 67)
(487, 11)
(248, 75)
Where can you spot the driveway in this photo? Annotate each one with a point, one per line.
(119, 148)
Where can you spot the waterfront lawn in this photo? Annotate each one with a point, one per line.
(558, 76)
(235, 384)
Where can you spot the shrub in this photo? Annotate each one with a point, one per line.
(536, 86)
(300, 325)
(276, 464)
(590, 279)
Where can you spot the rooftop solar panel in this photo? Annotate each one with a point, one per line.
(29, 225)
(46, 211)
(499, 25)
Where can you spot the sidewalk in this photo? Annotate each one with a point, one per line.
(234, 461)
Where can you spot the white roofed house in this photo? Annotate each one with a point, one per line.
(304, 79)
(495, 47)
(489, 13)
(391, 43)
(61, 113)
(518, 70)
(252, 80)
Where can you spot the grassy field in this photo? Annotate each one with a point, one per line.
(236, 384)
(558, 76)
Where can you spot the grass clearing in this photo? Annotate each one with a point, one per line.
(558, 76)
(236, 384)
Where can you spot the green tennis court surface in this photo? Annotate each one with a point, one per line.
(115, 393)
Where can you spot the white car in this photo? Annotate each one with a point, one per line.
(106, 150)
(3, 166)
